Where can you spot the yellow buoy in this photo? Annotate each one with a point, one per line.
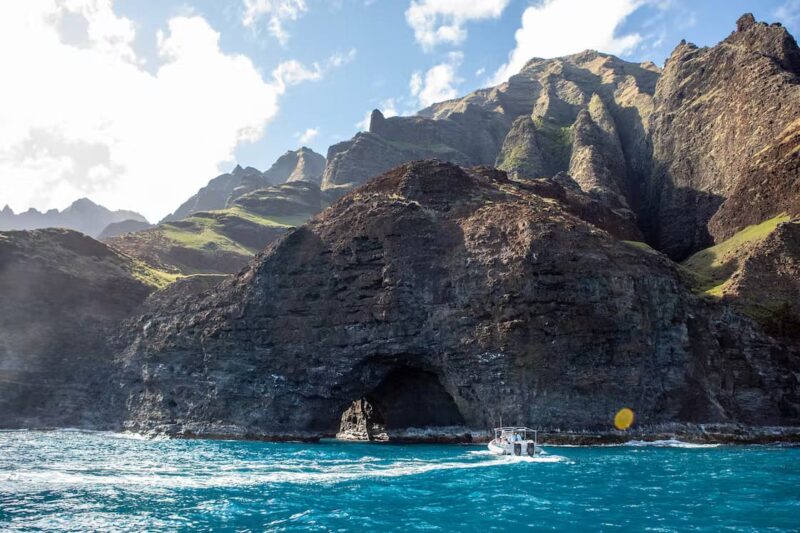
(623, 419)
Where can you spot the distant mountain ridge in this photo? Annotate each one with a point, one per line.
(303, 164)
(83, 215)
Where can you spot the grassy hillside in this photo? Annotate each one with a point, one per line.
(711, 269)
(221, 241)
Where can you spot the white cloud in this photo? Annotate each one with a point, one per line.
(561, 27)
(85, 119)
(292, 72)
(442, 21)
(788, 13)
(307, 136)
(339, 59)
(277, 13)
(439, 82)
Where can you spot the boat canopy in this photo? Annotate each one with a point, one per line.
(525, 432)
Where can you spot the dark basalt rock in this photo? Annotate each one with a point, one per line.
(63, 297)
(436, 282)
(718, 112)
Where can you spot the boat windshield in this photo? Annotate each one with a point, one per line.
(512, 434)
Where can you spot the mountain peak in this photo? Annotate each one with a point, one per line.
(375, 119)
(745, 22)
(82, 203)
(7, 210)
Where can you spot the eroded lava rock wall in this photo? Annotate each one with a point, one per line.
(517, 307)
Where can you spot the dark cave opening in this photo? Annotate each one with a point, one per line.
(406, 398)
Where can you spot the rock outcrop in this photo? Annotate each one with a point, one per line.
(63, 296)
(445, 296)
(299, 165)
(82, 215)
(768, 281)
(719, 112)
(295, 165)
(121, 228)
(770, 186)
(218, 192)
(758, 271)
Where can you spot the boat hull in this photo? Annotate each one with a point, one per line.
(518, 448)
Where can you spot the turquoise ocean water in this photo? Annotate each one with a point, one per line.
(69, 480)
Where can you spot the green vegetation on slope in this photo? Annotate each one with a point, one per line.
(209, 230)
(712, 268)
(436, 148)
(153, 276)
(283, 221)
(641, 245)
(555, 143)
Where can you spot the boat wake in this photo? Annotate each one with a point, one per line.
(277, 473)
(667, 443)
(510, 459)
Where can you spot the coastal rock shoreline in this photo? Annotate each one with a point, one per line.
(722, 434)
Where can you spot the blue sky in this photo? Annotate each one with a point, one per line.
(284, 73)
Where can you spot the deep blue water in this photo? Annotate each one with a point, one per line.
(69, 480)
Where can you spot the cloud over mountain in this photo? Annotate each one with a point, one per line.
(560, 27)
(87, 115)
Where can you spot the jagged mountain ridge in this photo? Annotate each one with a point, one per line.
(537, 106)
(723, 115)
(684, 150)
(83, 215)
(295, 165)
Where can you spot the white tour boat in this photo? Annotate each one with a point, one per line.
(515, 441)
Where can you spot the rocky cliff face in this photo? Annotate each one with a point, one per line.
(302, 165)
(723, 117)
(769, 186)
(63, 297)
(435, 282)
(82, 215)
(697, 152)
(524, 126)
(768, 281)
(758, 271)
(218, 192)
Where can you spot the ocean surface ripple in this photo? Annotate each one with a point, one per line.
(82, 481)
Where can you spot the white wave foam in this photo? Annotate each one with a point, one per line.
(354, 470)
(544, 458)
(667, 443)
(539, 459)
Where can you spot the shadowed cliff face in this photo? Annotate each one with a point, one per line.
(722, 116)
(63, 297)
(462, 283)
